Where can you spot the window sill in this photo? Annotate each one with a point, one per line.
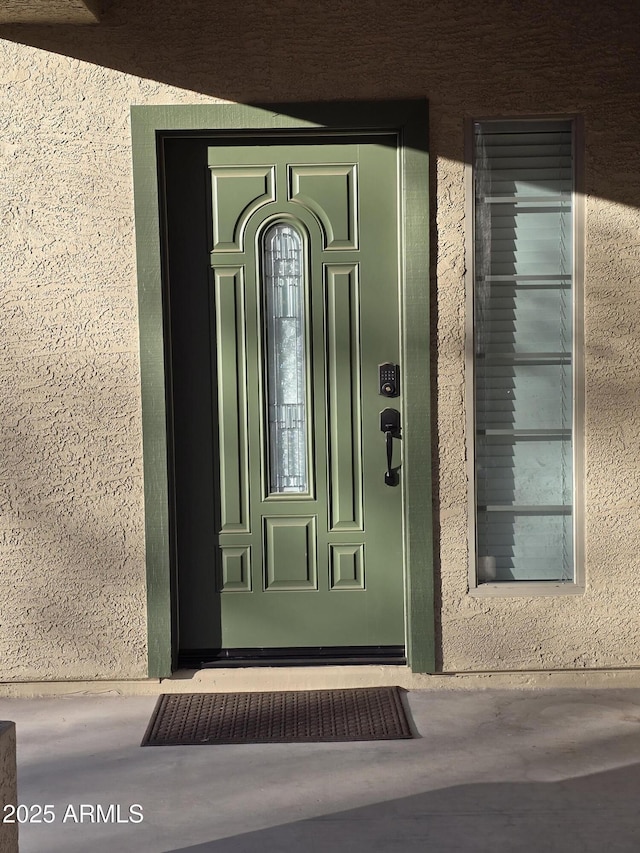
(526, 589)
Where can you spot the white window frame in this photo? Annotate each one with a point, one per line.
(529, 588)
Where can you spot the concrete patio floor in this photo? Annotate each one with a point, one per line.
(491, 770)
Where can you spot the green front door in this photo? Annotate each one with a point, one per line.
(322, 565)
(305, 306)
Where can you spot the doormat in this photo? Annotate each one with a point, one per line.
(305, 716)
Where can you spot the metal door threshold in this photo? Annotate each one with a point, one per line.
(320, 656)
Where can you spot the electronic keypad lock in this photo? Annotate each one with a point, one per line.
(389, 379)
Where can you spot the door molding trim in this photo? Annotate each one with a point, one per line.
(406, 119)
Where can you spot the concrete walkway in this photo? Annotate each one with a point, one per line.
(501, 771)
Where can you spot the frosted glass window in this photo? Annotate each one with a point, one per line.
(523, 352)
(283, 270)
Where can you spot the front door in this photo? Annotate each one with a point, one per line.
(301, 543)
(316, 556)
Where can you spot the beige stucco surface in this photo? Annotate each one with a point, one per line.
(72, 568)
(50, 11)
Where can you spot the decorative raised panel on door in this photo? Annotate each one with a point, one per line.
(232, 400)
(236, 193)
(236, 569)
(330, 192)
(290, 553)
(342, 323)
(346, 566)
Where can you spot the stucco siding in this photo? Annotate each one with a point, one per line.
(72, 537)
(72, 551)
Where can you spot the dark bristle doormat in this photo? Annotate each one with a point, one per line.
(305, 716)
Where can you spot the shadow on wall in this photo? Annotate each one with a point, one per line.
(466, 54)
(467, 57)
(582, 815)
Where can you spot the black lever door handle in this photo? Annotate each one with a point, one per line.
(390, 478)
(390, 426)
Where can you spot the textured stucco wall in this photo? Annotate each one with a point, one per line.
(71, 535)
(50, 11)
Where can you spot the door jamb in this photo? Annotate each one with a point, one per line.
(408, 119)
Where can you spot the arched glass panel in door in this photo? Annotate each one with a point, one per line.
(285, 357)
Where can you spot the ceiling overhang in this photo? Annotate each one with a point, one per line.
(50, 11)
